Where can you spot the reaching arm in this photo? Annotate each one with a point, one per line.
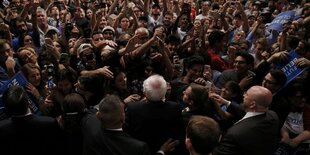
(112, 7)
(244, 18)
(164, 50)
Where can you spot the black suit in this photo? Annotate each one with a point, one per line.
(35, 135)
(115, 143)
(154, 122)
(99, 141)
(255, 135)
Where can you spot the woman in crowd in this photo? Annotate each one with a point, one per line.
(64, 85)
(35, 86)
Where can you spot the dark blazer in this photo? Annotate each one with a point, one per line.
(115, 143)
(35, 135)
(255, 135)
(154, 122)
(237, 110)
(99, 141)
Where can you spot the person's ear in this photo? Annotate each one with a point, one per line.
(98, 115)
(188, 144)
(253, 105)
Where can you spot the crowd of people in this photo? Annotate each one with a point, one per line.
(158, 77)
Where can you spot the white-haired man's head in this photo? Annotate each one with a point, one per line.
(155, 88)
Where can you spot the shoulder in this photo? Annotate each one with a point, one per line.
(172, 103)
(272, 115)
(228, 72)
(135, 105)
(5, 123)
(45, 122)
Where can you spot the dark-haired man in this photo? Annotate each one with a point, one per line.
(23, 132)
(241, 72)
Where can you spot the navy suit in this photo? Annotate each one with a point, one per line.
(255, 135)
(35, 135)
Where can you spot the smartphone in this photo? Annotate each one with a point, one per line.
(48, 41)
(64, 57)
(252, 74)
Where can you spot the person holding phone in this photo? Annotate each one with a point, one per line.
(89, 64)
(43, 25)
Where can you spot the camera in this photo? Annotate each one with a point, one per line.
(63, 58)
(155, 47)
(50, 69)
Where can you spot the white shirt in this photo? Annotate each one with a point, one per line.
(250, 114)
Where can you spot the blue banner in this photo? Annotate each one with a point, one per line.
(277, 23)
(20, 80)
(290, 68)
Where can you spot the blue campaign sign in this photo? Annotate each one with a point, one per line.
(17, 79)
(277, 23)
(290, 68)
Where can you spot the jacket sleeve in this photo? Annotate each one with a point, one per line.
(236, 110)
(228, 146)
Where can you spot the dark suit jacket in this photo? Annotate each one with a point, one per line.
(115, 143)
(255, 135)
(99, 141)
(35, 135)
(237, 110)
(154, 122)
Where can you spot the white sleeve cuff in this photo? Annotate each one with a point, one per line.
(161, 152)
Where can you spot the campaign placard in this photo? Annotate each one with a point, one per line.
(283, 17)
(290, 68)
(20, 80)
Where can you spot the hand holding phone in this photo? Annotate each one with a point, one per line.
(49, 41)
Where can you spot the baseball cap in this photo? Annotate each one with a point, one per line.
(108, 28)
(82, 47)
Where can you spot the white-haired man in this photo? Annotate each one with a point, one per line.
(155, 120)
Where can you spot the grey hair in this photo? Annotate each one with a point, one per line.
(39, 9)
(141, 30)
(155, 88)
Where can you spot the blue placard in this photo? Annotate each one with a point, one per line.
(290, 68)
(283, 17)
(20, 80)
